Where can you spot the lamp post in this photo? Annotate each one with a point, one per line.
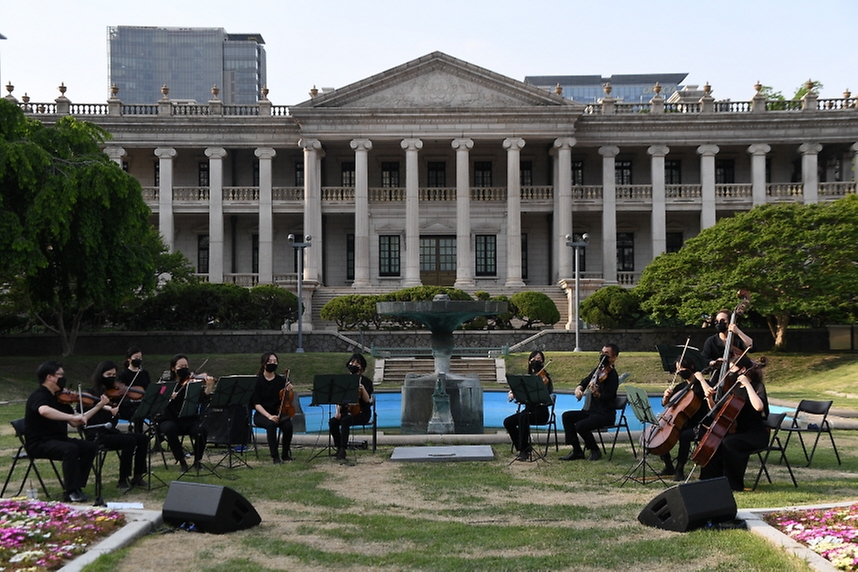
(570, 241)
(299, 247)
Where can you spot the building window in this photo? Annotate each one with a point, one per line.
(724, 172)
(526, 173)
(436, 172)
(299, 173)
(347, 174)
(623, 172)
(486, 256)
(626, 251)
(389, 174)
(350, 257)
(254, 253)
(157, 173)
(673, 172)
(524, 256)
(673, 242)
(203, 254)
(203, 174)
(577, 173)
(482, 173)
(388, 255)
(255, 181)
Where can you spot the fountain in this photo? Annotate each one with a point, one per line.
(442, 402)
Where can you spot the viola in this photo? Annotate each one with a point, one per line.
(69, 397)
(287, 399)
(120, 391)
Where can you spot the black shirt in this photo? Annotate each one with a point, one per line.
(39, 428)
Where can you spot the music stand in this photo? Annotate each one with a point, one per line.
(669, 355)
(152, 406)
(233, 392)
(639, 401)
(529, 390)
(333, 389)
(191, 408)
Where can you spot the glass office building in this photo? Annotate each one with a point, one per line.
(189, 61)
(630, 88)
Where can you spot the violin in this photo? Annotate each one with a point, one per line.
(600, 374)
(120, 391)
(287, 398)
(544, 374)
(69, 397)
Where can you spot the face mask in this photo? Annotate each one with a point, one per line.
(109, 380)
(536, 365)
(61, 382)
(136, 362)
(354, 369)
(271, 367)
(685, 374)
(183, 373)
(721, 327)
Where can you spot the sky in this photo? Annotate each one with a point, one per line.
(731, 44)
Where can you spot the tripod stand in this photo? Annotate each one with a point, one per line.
(232, 397)
(191, 409)
(641, 408)
(530, 392)
(152, 406)
(336, 390)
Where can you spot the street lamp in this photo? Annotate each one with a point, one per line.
(570, 241)
(299, 247)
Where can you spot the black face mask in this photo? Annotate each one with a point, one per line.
(61, 382)
(183, 373)
(271, 367)
(136, 362)
(685, 374)
(354, 369)
(109, 381)
(721, 327)
(536, 366)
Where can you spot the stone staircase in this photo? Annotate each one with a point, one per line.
(392, 371)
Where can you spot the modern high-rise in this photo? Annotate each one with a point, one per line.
(190, 61)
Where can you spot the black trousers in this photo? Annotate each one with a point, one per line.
(518, 424)
(731, 458)
(172, 428)
(132, 447)
(583, 423)
(76, 455)
(283, 424)
(340, 427)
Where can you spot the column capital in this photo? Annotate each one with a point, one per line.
(467, 144)
(165, 152)
(658, 150)
(854, 147)
(411, 144)
(115, 153)
(564, 142)
(513, 143)
(810, 148)
(215, 152)
(265, 152)
(360, 144)
(609, 151)
(708, 150)
(759, 149)
(310, 144)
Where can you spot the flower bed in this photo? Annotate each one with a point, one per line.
(44, 535)
(830, 532)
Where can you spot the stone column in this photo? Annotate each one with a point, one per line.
(563, 207)
(609, 213)
(707, 182)
(464, 258)
(809, 171)
(216, 264)
(513, 146)
(165, 195)
(361, 148)
(758, 172)
(658, 222)
(312, 208)
(412, 212)
(116, 154)
(266, 216)
(854, 161)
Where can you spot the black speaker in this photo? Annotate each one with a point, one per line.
(227, 426)
(692, 505)
(211, 508)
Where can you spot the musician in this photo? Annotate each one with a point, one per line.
(268, 400)
(518, 424)
(46, 422)
(692, 380)
(731, 458)
(131, 446)
(713, 347)
(346, 416)
(171, 425)
(603, 383)
(133, 375)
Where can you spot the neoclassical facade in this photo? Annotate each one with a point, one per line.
(442, 172)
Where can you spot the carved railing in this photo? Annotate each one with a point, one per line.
(841, 103)
(138, 109)
(191, 194)
(287, 193)
(784, 105)
(538, 193)
(837, 189)
(634, 192)
(247, 194)
(88, 108)
(344, 194)
(247, 280)
(433, 194)
(784, 189)
(733, 190)
(189, 110)
(279, 110)
(151, 194)
(488, 193)
(241, 110)
(683, 191)
(386, 194)
(587, 192)
(631, 108)
(732, 107)
(628, 278)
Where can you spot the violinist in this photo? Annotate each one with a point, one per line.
(172, 423)
(602, 383)
(133, 375)
(713, 347)
(131, 446)
(731, 457)
(518, 424)
(350, 414)
(692, 380)
(46, 422)
(272, 400)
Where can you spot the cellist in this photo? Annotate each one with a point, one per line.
(730, 459)
(272, 402)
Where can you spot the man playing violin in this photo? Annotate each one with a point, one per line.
(271, 400)
(603, 383)
(518, 424)
(350, 414)
(46, 422)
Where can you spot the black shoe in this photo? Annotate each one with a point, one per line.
(197, 466)
(679, 476)
(287, 456)
(124, 484)
(341, 454)
(595, 455)
(667, 472)
(138, 481)
(184, 465)
(75, 496)
(277, 460)
(573, 456)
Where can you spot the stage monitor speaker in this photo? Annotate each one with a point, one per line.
(692, 505)
(211, 508)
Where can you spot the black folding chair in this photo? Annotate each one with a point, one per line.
(620, 422)
(355, 443)
(773, 422)
(817, 424)
(21, 455)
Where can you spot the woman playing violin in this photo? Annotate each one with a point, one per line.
(602, 383)
(131, 446)
(518, 424)
(172, 423)
(713, 347)
(731, 458)
(133, 375)
(348, 415)
(272, 401)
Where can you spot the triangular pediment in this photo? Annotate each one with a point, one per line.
(436, 81)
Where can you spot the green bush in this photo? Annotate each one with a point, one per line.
(612, 307)
(534, 308)
(351, 312)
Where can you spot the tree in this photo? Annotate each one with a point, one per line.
(797, 261)
(611, 307)
(74, 229)
(534, 308)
